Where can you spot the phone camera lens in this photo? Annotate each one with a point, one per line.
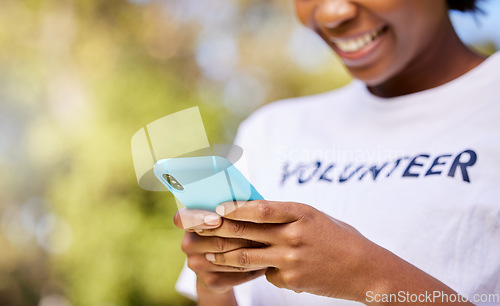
(173, 182)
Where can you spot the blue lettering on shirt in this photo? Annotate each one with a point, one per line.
(412, 167)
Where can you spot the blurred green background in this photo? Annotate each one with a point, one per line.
(77, 80)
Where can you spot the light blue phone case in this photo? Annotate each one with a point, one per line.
(204, 182)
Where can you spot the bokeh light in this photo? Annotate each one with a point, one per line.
(79, 78)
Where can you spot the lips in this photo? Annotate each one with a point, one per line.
(359, 46)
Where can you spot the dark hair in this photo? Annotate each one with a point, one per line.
(463, 5)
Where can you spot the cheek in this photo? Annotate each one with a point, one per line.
(415, 27)
(382, 7)
(304, 10)
(413, 24)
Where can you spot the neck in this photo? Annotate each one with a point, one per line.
(444, 59)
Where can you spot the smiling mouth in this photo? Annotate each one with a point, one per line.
(352, 45)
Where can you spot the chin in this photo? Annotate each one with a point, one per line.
(375, 75)
(371, 79)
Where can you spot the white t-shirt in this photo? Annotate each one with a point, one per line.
(418, 174)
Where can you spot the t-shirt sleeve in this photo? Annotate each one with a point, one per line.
(241, 140)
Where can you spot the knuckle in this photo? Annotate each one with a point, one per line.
(182, 218)
(290, 279)
(239, 228)
(294, 237)
(194, 263)
(177, 220)
(220, 244)
(305, 212)
(263, 210)
(212, 280)
(220, 258)
(244, 258)
(292, 258)
(187, 243)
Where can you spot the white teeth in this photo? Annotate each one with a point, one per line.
(353, 45)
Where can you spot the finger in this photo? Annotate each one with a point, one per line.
(196, 219)
(223, 279)
(264, 233)
(199, 263)
(262, 211)
(244, 258)
(192, 244)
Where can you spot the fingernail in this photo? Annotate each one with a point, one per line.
(210, 257)
(211, 220)
(198, 230)
(220, 209)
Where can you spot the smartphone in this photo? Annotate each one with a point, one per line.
(204, 182)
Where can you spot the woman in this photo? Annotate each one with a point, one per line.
(392, 178)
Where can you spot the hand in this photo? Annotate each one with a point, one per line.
(216, 278)
(306, 250)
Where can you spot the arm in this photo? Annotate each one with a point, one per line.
(391, 275)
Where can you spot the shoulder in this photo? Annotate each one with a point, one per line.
(292, 111)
